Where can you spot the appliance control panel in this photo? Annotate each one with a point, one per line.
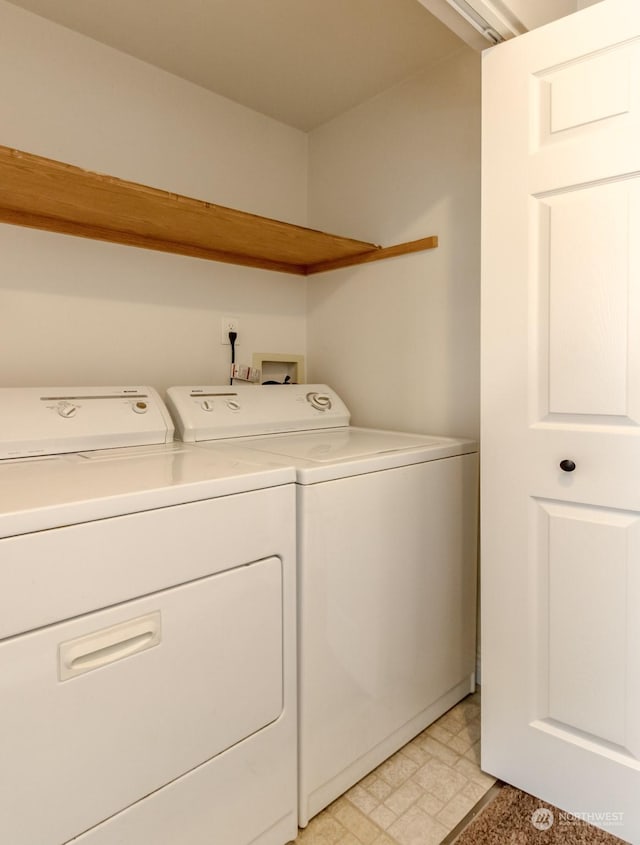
(38, 421)
(216, 412)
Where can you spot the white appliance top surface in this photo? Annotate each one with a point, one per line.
(306, 424)
(48, 492)
(340, 444)
(342, 452)
(54, 473)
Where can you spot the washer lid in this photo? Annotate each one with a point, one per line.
(340, 444)
(342, 452)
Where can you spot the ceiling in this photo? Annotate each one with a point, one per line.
(300, 61)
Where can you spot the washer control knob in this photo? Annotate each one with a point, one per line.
(207, 405)
(233, 405)
(140, 407)
(67, 410)
(319, 401)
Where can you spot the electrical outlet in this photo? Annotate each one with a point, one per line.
(229, 324)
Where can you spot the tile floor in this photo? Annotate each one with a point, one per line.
(415, 797)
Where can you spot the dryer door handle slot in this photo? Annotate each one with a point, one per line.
(101, 648)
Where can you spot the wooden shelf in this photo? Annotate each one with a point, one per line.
(46, 194)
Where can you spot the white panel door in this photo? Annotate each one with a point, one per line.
(561, 414)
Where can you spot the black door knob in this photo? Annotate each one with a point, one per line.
(567, 465)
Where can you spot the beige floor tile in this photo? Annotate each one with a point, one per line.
(414, 752)
(473, 753)
(455, 810)
(446, 754)
(441, 780)
(415, 797)
(452, 721)
(308, 837)
(404, 797)
(335, 805)
(473, 772)
(349, 839)
(430, 804)
(438, 732)
(474, 790)
(362, 799)
(460, 743)
(415, 827)
(356, 822)
(321, 830)
(383, 839)
(371, 778)
(383, 816)
(377, 787)
(470, 709)
(397, 769)
(471, 730)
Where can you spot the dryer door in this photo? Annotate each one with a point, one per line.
(101, 710)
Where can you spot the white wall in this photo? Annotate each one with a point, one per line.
(535, 13)
(398, 167)
(74, 310)
(400, 338)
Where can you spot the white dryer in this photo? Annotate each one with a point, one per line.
(387, 527)
(147, 639)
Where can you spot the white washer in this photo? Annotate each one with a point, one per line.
(147, 638)
(387, 527)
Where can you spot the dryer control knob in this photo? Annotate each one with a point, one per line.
(233, 405)
(319, 401)
(140, 407)
(67, 410)
(207, 405)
